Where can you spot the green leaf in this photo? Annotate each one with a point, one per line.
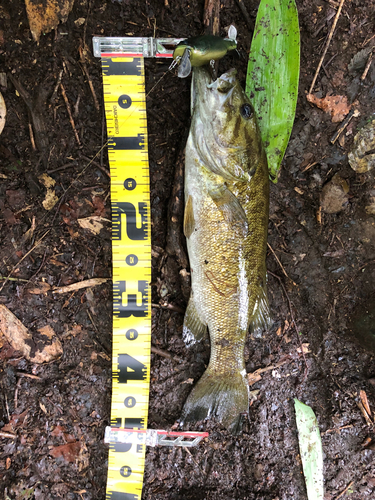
(311, 451)
(273, 74)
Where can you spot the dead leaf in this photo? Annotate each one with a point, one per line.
(305, 348)
(69, 452)
(41, 288)
(336, 105)
(364, 400)
(42, 407)
(93, 223)
(80, 284)
(18, 336)
(47, 181)
(51, 199)
(45, 15)
(16, 198)
(16, 420)
(3, 113)
(14, 331)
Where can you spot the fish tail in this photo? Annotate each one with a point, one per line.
(223, 397)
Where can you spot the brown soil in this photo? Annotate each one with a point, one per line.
(327, 269)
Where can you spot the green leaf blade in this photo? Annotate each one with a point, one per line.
(311, 450)
(273, 74)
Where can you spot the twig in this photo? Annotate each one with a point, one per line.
(32, 137)
(211, 17)
(56, 87)
(82, 61)
(352, 113)
(28, 375)
(369, 61)
(292, 316)
(245, 14)
(344, 491)
(70, 114)
(165, 354)
(7, 435)
(24, 257)
(327, 45)
(278, 261)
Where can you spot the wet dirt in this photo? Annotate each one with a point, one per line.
(323, 275)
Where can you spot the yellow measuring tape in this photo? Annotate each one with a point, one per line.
(125, 108)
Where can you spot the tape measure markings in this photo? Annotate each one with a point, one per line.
(125, 107)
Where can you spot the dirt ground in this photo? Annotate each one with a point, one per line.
(321, 268)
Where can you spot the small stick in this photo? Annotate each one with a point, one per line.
(292, 316)
(165, 354)
(28, 375)
(32, 137)
(245, 14)
(369, 61)
(70, 114)
(352, 113)
(52, 99)
(24, 257)
(82, 61)
(327, 45)
(7, 435)
(344, 491)
(278, 261)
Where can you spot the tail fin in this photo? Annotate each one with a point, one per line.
(223, 397)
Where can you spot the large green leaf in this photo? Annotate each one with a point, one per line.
(311, 451)
(272, 75)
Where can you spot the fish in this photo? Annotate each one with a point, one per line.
(225, 225)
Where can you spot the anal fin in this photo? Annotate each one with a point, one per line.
(261, 318)
(194, 330)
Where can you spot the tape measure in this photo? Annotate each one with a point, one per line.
(125, 109)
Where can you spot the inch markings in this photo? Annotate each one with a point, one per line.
(125, 108)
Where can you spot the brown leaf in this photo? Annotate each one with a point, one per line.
(364, 400)
(69, 452)
(21, 340)
(336, 105)
(16, 420)
(41, 288)
(45, 15)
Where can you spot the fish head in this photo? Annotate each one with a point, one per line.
(228, 126)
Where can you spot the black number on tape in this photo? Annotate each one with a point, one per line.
(112, 68)
(120, 447)
(131, 334)
(129, 210)
(131, 308)
(130, 184)
(132, 423)
(121, 143)
(125, 471)
(131, 260)
(118, 495)
(124, 101)
(130, 369)
(130, 402)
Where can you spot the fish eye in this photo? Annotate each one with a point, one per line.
(246, 111)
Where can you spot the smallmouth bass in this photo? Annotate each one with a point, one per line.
(225, 224)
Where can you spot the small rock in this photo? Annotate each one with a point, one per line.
(335, 195)
(362, 157)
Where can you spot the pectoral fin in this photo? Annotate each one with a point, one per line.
(194, 330)
(189, 221)
(229, 206)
